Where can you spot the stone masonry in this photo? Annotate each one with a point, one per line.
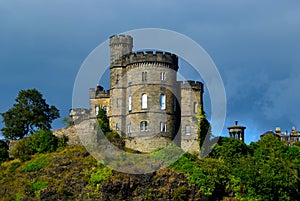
(146, 104)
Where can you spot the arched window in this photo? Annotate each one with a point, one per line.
(129, 103)
(162, 101)
(144, 101)
(195, 107)
(144, 126)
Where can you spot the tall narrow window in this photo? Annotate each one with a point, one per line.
(162, 101)
(117, 126)
(129, 103)
(97, 110)
(144, 101)
(144, 126)
(188, 130)
(163, 127)
(163, 76)
(144, 76)
(195, 107)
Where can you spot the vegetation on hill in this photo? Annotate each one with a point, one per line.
(44, 168)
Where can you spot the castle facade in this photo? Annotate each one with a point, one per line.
(146, 104)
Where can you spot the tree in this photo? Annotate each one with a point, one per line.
(203, 125)
(29, 114)
(3, 151)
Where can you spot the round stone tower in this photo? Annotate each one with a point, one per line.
(152, 92)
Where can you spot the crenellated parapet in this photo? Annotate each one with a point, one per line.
(190, 84)
(120, 39)
(131, 59)
(99, 92)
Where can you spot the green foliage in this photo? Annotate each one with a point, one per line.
(42, 141)
(23, 149)
(229, 149)
(181, 193)
(38, 185)
(67, 122)
(168, 155)
(14, 166)
(29, 114)
(62, 141)
(3, 151)
(102, 173)
(203, 126)
(37, 164)
(103, 121)
(18, 197)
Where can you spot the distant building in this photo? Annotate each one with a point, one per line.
(146, 104)
(290, 138)
(237, 131)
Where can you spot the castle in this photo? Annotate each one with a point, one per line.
(146, 104)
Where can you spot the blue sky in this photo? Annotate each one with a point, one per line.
(255, 45)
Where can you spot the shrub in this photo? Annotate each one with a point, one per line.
(23, 149)
(42, 141)
(37, 164)
(181, 193)
(38, 185)
(62, 141)
(3, 151)
(100, 175)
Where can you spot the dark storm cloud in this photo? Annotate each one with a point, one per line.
(255, 44)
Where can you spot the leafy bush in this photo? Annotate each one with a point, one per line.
(42, 141)
(100, 175)
(3, 151)
(14, 166)
(62, 141)
(181, 193)
(23, 149)
(38, 185)
(37, 164)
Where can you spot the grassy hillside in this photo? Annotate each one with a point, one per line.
(72, 174)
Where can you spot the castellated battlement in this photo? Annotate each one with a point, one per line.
(149, 57)
(191, 84)
(99, 92)
(120, 39)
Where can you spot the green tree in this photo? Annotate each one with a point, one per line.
(203, 125)
(269, 174)
(29, 114)
(3, 151)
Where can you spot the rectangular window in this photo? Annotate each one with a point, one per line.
(188, 130)
(144, 126)
(129, 104)
(163, 101)
(117, 126)
(144, 76)
(144, 101)
(163, 127)
(163, 76)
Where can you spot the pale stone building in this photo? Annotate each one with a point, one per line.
(146, 104)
